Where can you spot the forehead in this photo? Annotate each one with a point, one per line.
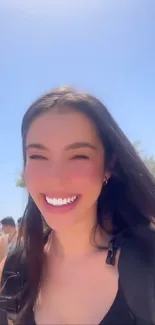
(64, 127)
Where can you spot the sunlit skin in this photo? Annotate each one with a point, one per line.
(6, 229)
(65, 157)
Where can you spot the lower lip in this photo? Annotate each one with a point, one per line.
(63, 208)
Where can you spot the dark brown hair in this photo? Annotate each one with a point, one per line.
(128, 198)
(8, 221)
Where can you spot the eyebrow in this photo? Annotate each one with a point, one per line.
(38, 146)
(78, 145)
(72, 146)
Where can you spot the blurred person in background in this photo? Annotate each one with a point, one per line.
(9, 228)
(19, 222)
(3, 246)
(8, 240)
(20, 226)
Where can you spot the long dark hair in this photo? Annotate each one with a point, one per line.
(128, 198)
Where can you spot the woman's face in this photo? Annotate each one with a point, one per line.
(64, 170)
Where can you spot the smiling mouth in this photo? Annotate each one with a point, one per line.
(59, 202)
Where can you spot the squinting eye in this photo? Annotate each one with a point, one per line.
(80, 157)
(37, 157)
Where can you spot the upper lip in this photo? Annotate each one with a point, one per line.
(57, 196)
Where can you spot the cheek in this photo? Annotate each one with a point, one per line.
(88, 181)
(32, 176)
(88, 172)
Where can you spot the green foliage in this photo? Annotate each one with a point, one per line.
(148, 160)
(20, 182)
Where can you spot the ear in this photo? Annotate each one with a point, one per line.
(107, 176)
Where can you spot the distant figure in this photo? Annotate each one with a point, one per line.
(3, 246)
(20, 227)
(9, 228)
(19, 222)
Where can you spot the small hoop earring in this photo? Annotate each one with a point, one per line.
(105, 182)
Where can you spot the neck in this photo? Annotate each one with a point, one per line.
(78, 240)
(12, 231)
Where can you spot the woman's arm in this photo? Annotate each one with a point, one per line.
(2, 266)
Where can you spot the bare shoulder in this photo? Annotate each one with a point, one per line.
(2, 263)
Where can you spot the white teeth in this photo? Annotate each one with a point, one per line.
(60, 201)
(64, 201)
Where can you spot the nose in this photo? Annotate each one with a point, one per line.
(56, 173)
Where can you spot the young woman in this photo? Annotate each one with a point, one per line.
(98, 199)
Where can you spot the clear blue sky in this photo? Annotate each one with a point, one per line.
(106, 47)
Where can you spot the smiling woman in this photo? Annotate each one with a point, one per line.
(96, 196)
(65, 162)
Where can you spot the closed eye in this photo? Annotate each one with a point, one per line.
(80, 157)
(39, 157)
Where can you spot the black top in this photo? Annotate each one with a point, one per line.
(118, 314)
(135, 297)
